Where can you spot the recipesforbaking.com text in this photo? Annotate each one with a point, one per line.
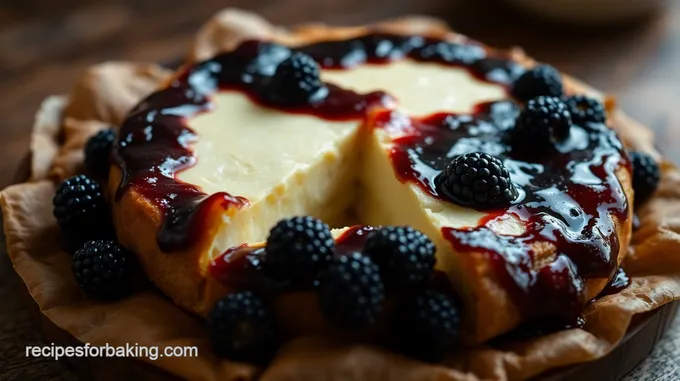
(128, 350)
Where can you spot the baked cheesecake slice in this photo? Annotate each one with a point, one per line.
(365, 123)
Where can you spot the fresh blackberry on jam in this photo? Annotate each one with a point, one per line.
(540, 80)
(242, 327)
(405, 255)
(298, 249)
(544, 120)
(585, 109)
(81, 211)
(97, 151)
(646, 175)
(352, 292)
(103, 269)
(430, 323)
(296, 80)
(478, 180)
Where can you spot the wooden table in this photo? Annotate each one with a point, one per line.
(44, 45)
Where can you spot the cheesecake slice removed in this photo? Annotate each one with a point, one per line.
(359, 125)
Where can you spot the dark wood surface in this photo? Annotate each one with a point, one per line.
(44, 45)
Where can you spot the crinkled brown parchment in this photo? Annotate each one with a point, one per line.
(103, 96)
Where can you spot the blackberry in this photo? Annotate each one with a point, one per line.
(405, 256)
(430, 323)
(298, 249)
(478, 180)
(81, 211)
(103, 269)
(585, 109)
(646, 175)
(351, 294)
(540, 80)
(242, 327)
(296, 80)
(97, 151)
(544, 120)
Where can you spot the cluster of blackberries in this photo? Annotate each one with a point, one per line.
(481, 181)
(351, 287)
(548, 115)
(101, 266)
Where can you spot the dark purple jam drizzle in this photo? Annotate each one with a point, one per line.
(618, 283)
(540, 327)
(154, 140)
(566, 198)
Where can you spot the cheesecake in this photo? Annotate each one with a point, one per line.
(371, 126)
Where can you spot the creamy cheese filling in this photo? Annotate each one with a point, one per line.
(284, 164)
(421, 88)
(248, 150)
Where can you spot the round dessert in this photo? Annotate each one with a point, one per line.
(524, 192)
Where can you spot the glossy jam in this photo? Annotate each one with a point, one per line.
(567, 195)
(618, 283)
(240, 267)
(154, 140)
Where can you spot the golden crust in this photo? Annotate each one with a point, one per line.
(181, 275)
(489, 308)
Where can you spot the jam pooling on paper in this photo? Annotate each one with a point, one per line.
(568, 194)
(155, 138)
(573, 214)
